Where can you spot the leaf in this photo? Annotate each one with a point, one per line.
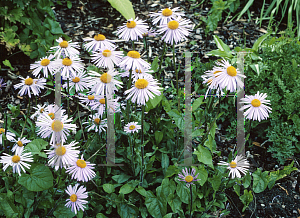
(36, 146)
(204, 156)
(219, 53)
(164, 161)
(171, 171)
(202, 174)
(247, 180)
(155, 207)
(259, 41)
(158, 136)
(63, 212)
(169, 215)
(101, 215)
(7, 63)
(69, 4)
(8, 207)
(216, 181)
(39, 179)
(127, 210)
(152, 103)
(260, 181)
(183, 192)
(220, 44)
(174, 202)
(197, 103)
(124, 7)
(128, 187)
(108, 188)
(154, 65)
(247, 6)
(121, 178)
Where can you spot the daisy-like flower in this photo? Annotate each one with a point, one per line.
(52, 110)
(17, 161)
(2, 84)
(188, 177)
(81, 170)
(19, 146)
(39, 110)
(62, 155)
(86, 99)
(132, 127)
(228, 76)
(150, 33)
(30, 84)
(9, 135)
(65, 48)
(58, 129)
(239, 164)
(99, 104)
(165, 15)
(143, 89)
(44, 64)
(76, 201)
(80, 81)
(140, 73)
(97, 123)
(132, 30)
(106, 58)
(256, 105)
(69, 65)
(134, 61)
(98, 42)
(209, 78)
(175, 30)
(104, 82)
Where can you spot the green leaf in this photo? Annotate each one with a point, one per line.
(202, 174)
(36, 147)
(39, 179)
(183, 192)
(204, 156)
(154, 65)
(124, 7)
(156, 207)
(247, 180)
(101, 215)
(237, 189)
(247, 6)
(246, 198)
(158, 136)
(168, 187)
(152, 103)
(69, 4)
(260, 181)
(121, 178)
(54, 27)
(164, 161)
(127, 210)
(220, 44)
(63, 212)
(259, 41)
(198, 133)
(8, 207)
(174, 202)
(128, 187)
(216, 181)
(109, 188)
(197, 103)
(171, 171)
(169, 215)
(7, 63)
(219, 53)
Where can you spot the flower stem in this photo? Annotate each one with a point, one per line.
(191, 191)
(80, 120)
(128, 101)
(177, 87)
(142, 142)
(161, 60)
(133, 46)
(68, 98)
(249, 132)
(27, 114)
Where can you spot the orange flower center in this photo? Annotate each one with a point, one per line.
(99, 37)
(105, 78)
(20, 144)
(76, 79)
(167, 12)
(57, 125)
(91, 97)
(256, 103)
(2, 130)
(81, 163)
(16, 158)
(173, 24)
(97, 121)
(64, 44)
(73, 197)
(141, 83)
(132, 127)
(67, 62)
(102, 101)
(45, 62)
(130, 24)
(133, 54)
(28, 81)
(52, 116)
(60, 151)
(106, 53)
(231, 71)
(233, 164)
(189, 178)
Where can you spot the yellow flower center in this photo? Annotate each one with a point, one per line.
(173, 24)
(81, 163)
(106, 53)
(99, 37)
(57, 125)
(130, 24)
(167, 12)
(133, 54)
(105, 78)
(60, 151)
(2, 130)
(102, 101)
(28, 81)
(91, 97)
(231, 71)
(141, 83)
(41, 110)
(15, 158)
(233, 164)
(256, 103)
(97, 121)
(132, 127)
(76, 79)
(20, 144)
(64, 44)
(138, 71)
(45, 62)
(73, 197)
(52, 116)
(189, 178)
(67, 62)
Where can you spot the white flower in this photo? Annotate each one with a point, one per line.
(30, 84)
(76, 201)
(44, 64)
(132, 127)
(99, 104)
(86, 99)
(165, 15)
(39, 110)
(69, 65)
(80, 81)
(9, 135)
(140, 73)
(96, 123)
(132, 30)
(98, 42)
(65, 48)
(239, 164)
(134, 61)
(209, 78)
(19, 145)
(107, 58)
(52, 110)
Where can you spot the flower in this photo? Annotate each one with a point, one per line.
(134, 61)
(99, 104)
(257, 109)
(228, 76)
(165, 15)
(65, 48)
(132, 127)
(80, 81)
(97, 123)
(69, 65)
(150, 33)
(86, 99)
(98, 42)
(44, 64)
(76, 198)
(9, 135)
(143, 89)
(239, 164)
(140, 73)
(62, 155)
(17, 161)
(58, 129)
(188, 177)
(209, 78)
(19, 146)
(132, 30)
(30, 84)
(175, 30)
(39, 110)
(81, 170)
(52, 110)
(2, 84)
(106, 58)
(105, 81)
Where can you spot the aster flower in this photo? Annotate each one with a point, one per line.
(188, 177)
(98, 42)
(143, 89)
(107, 58)
(44, 64)
(65, 48)
(86, 99)
(19, 144)
(140, 73)
(9, 135)
(209, 78)
(132, 30)
(17, 161)
(104, 82)
(165, 15)
(150, 33)
(62, 155)
(80, 81)
(52, 111)
(175, 30)
(81, 170)
(76, 201)
(58, 129)
(132, 127)
(134, 61)
(256, 105)
(39, 110)
(69, 65)
(2, 84)
(30, 84)
(99, 104)
(239, 164)
(97, 123)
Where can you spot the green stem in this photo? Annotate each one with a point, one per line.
(80, 120)
(249, 131)
(177, 87)
(131, 149)
(27, 115)
(128, 101)
(191, 191)
(133, 46)
(142, 142)
(161, 60)
(68, 98)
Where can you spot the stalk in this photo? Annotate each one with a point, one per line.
(27, 114)
(142, 142)
(161, 60)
